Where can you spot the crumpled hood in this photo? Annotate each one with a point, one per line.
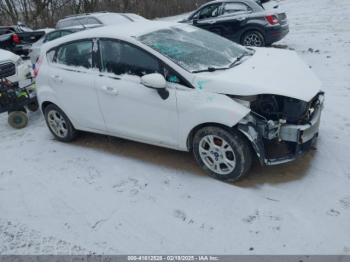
(7, 56)
(268, 71)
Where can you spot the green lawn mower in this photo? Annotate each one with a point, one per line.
(16, 99)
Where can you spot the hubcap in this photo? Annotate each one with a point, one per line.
(57, 123)
(253, 40)
(217, 154)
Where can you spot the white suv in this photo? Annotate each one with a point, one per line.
(184, 88)
(97, 19)
(21, 70)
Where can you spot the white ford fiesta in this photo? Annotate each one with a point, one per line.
(184, 88)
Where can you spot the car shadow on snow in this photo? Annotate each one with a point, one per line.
(278, 174)
(184, 162)
(162, 157)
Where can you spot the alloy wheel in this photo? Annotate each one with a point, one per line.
(57, 123)
(217, 154)
(253, 39)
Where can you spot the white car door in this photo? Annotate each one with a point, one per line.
(72, 76)
(130, 109)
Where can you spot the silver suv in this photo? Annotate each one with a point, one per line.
(91, 20)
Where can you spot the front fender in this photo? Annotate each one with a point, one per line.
(199, 107)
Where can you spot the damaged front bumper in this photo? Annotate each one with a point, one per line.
(280, 142)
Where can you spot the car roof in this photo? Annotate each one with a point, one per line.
(249, 2)
(102, 15)
(127, 31)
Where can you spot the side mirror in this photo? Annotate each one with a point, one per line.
(195, 20)
(157, 82)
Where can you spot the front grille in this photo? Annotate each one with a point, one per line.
(7, 70)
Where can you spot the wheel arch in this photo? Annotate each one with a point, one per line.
(45, 104)
(213, 124)
(251, 28)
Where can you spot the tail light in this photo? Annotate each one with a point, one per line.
(272, 19)
(37, 66)
(16, 39)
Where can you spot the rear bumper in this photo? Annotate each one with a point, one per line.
(276, 33)
(282, 143)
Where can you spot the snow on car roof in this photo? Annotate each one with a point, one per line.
(127, 31)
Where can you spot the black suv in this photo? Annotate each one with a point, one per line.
(242, 21)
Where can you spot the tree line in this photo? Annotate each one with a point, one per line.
(45, 13)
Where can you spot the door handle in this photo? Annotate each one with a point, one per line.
(57, 78)
(110, 90)
(211, 22)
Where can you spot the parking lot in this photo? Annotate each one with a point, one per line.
(113, 196)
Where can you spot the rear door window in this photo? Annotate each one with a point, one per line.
(235, 8)
(77, 54)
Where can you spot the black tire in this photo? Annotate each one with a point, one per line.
(33, 106)
(241, 153)
(253, 38)
(61, 127)
(18, 119)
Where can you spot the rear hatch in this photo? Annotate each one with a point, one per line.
(282, 17)
(274, 8)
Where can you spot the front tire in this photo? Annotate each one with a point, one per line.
(59, 124)
(224, 154)
(253, 38)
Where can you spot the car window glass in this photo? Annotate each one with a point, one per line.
(172, 77)
(63, 33)
(192, 48)
(209, 11)
(76, 54)
(231, 8)
(66, 23)
(121, 58)
(50, 55)
(52, 36)
(92, 21)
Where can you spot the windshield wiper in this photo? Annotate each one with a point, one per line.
(210, 69)
(239, 58)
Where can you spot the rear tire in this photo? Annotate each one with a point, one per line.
(223, 153)
(18, 119)
(253, 38)
(59, 124)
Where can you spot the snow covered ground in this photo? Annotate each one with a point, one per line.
(112, 196)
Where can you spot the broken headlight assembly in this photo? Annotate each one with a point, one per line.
(280, 128)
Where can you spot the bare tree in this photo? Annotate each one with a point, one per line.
(45, 13)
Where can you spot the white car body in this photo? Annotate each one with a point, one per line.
(22, 70)
(97, 19)
(92, 99)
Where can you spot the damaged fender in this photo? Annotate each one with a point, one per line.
(199, 108)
